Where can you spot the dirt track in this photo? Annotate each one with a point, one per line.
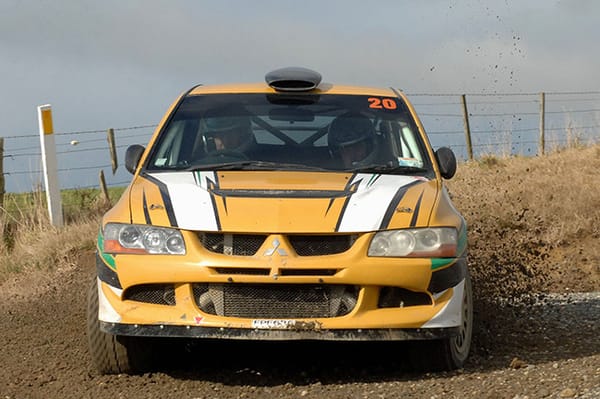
(44, 354)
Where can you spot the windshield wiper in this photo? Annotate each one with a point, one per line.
(253, 165)
(394, 169)
(220, 166)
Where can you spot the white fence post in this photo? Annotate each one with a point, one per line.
(542, 145)
(50, 165)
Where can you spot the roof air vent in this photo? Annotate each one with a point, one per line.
(293, 79)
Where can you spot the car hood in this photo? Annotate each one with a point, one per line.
(283, 202)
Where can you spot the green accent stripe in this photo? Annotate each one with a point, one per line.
(372, 179)
(438, 263)
(108, 258)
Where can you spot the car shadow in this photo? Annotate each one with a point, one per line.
(534, 332)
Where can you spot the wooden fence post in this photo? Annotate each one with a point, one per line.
(467, 128)
(49, 164)
(1, 172)
(113, 150)
(103, 188)
(542, 148)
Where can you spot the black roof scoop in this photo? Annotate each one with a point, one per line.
(293, 79)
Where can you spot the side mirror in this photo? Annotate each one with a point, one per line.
(132, 157)
(446, 161)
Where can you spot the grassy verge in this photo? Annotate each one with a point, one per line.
(28, 241)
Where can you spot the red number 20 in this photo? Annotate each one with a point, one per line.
(379, 103)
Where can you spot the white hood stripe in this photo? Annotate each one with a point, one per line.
(372, 206)
(190, 204)
(189, 199)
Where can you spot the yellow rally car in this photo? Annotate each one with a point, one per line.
(284, 210)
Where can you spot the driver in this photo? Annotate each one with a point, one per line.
(225, 131)
(351, 137)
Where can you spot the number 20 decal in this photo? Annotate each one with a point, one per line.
(382, 103)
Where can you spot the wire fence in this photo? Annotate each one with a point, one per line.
(80, 156)
(500, 124)
(508, 124)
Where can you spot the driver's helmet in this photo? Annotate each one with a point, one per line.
(353, 130)
(230, 127)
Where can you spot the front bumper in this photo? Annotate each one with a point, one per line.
(386, 298)
(366, 322)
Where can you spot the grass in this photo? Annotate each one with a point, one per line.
(73, 200)
(29, 241)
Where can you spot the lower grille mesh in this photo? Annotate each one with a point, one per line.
(266, 301)
(159, 294)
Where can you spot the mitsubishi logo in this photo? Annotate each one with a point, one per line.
(275, 247)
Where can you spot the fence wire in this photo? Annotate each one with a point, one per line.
(497, 121)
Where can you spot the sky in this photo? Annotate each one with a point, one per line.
(116, 63)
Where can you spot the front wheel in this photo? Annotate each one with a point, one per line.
(113, 354)
(450, 353)
(456, 349)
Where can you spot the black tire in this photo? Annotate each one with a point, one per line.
(450, 353)
(113, 354)
(457, 349)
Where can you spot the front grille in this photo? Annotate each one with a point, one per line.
(315, 245)
(249, 244)
(159, 294)
(275, 301)
(232, 244)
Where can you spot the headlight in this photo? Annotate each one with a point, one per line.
(142, 239)
(437, 242)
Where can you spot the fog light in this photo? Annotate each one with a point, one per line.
(430, 240)
(129, 236)
(403, 242)
(175, 244)
(379, 246)
(154, 239)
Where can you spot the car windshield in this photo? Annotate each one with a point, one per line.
(291, 132)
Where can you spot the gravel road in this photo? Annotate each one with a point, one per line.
(537, 346)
